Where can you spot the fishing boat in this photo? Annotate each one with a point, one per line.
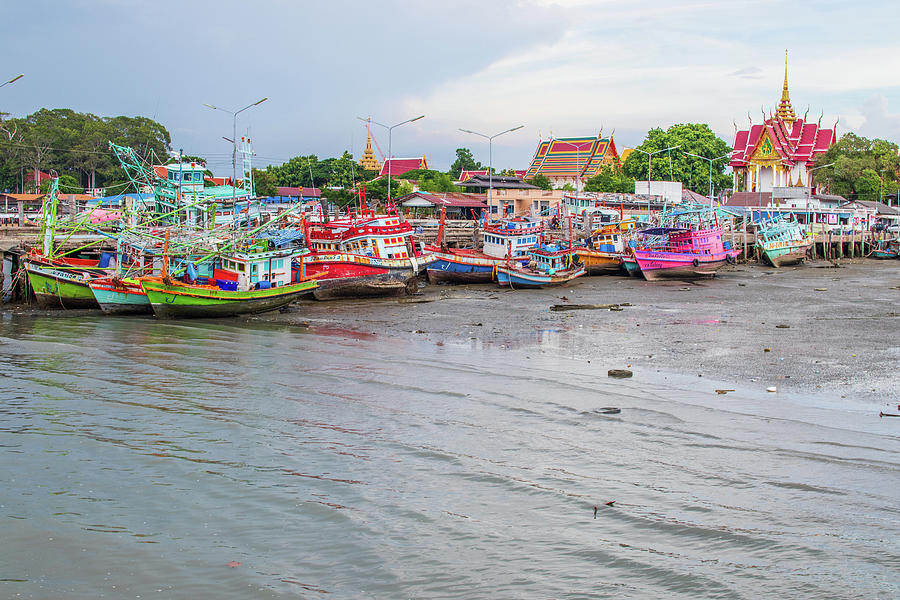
(120, 295)
(253, 280)
(783, 242)
(361, 255)
(62, 281)
(602, 252)
(886, 249)
(630, 265)
(687, 253)
(548, 265)
(504, 241)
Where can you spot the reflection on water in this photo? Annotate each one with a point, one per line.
(145, 457)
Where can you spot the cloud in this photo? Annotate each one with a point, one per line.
(748, 73)
(877, 121)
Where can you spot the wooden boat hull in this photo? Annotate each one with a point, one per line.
(343, 275)
(518, 278)
(788, 254)
(598, 262)
(673, 265)
(176, 301)
(884, 254)
(457, 267)
(59, 288)
(631, 267)
(122, 297)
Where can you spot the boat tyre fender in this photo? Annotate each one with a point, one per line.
(696, 263)
(729, 259)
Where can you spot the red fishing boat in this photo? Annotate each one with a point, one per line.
(363, 254)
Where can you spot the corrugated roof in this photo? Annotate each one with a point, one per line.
(454, 199)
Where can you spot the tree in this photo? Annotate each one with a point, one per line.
(859, 166)
(264, 183)
(430, 180)
(541, 181)
(464, 162)
(67, 185)
(611, 178)
(693, 138)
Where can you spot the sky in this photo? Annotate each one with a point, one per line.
(557, 67)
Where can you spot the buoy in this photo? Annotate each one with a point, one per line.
(771, 389)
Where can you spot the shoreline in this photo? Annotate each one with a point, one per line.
(829, 330)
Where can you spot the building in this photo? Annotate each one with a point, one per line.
(780, 152)
(368, 160)
(466, 175)
(458, 205)
(570, 160)
(399, 166)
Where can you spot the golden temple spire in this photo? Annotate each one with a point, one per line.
(785, 111)
(368, 160)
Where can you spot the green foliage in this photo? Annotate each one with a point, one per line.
(67, 185)
(264, 183)
(341, 197)
(430, 180)
(464, 162)
(75, 144)
(860, 168)
(568, 187)
(377, 189)
(309, 171)
(611, 178)
(693, 173)
(541, 181)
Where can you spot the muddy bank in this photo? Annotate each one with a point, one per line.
(810, 328)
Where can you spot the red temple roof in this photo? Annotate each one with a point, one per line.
(399, 166)
(796, 142)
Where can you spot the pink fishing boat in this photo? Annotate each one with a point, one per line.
(686, 254)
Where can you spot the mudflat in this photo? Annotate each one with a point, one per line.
(817, 327)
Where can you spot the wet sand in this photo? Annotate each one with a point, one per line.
(828, 330)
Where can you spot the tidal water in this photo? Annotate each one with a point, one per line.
(145, 459)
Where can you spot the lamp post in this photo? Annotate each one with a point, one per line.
(710, 161)
(650, 162)
(490, 139)
(13, 80)
(390, 129)
(809, 191)
(234, 115)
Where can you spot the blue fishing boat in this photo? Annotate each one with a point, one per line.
(548, 265)
(886, 249)
(505, 241)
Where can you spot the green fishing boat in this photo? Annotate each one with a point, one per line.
(60, 284)
(175, 300)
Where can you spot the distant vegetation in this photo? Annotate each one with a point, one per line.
(862, 169)
(75, 144)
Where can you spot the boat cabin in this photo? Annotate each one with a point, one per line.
(378, 237)
(511, 237)
(257, 267)
(550, 258)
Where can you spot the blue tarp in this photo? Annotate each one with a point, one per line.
(281, 237)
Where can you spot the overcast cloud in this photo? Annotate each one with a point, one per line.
(570, 67)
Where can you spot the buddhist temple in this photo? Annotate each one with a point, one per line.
(566, 160)
(399, 166)
(781, 151)
(368, 160)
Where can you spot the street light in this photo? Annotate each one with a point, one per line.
(809, 191)
(234, 115)
(490, 139)
(390, 129)
(710, 161)
(13, 80)
(650, 162)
